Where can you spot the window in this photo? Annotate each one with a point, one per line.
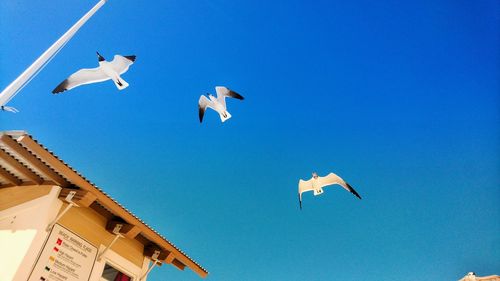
(114, 267)
(112, 274)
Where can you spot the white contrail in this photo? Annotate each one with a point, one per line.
(23, 79)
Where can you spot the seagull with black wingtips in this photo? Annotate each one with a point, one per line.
(9, 108)
(471, 276)
(217, 103)
(316, 184)
(107, 70)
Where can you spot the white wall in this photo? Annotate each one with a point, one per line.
(23, 232)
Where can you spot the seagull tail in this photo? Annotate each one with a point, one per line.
(300, 202)
(120, 83)
(224, 116)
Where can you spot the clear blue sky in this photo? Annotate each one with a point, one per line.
(400, 99)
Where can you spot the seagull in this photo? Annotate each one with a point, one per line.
(217, 103)
(9, 108)
(105, 71)
(317, 183)
(471, 276)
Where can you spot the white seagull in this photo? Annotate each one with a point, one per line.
(218, 104)
(471, 276)
(105, 71)
(9, 108)
(317, 183)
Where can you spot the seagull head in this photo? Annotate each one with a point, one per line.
(99, 57)
(315, 175)
(471, 274)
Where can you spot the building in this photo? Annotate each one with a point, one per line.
(56, 225)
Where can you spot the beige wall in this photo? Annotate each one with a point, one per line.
(92, 227)
(13, 196)
(25, 213)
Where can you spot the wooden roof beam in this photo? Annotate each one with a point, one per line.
(165, 256)
(170, 258)
(132, 233)
(177, 263)
(181, 260)
(9, 177)
(42, 167)
(87, 199)
(54, 162)
(128, 230)
(150, 249)
(82, 198)
(20, 168)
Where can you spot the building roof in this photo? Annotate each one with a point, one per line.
(24, 161)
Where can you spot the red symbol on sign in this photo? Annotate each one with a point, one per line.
(56, 249)
(59, 241)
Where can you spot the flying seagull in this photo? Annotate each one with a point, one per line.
(218, 104)
(316, 184)
(9, 108)
(106, 70)
(471, 276)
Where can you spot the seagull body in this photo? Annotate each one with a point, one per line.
(217, 103)
(106, 71)
(316, 184)
(471, 276)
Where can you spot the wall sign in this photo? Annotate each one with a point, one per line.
(65, 257)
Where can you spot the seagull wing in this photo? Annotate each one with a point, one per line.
(121, 63)
(303, 187)
(334, 179)
(81, 77)
(223, 92)
(203, 103)
(488, 278)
